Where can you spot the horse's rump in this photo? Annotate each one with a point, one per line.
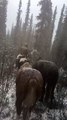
(29, 84)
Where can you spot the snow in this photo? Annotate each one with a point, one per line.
(40, 111)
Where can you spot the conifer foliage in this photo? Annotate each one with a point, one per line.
(27, 16)
(57, 41)
(30, 32)
(43, 28)
(53, 21)
(3, 15)
(18, 27)
(62, 50)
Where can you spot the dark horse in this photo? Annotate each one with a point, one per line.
(49, 73)
(29, 83)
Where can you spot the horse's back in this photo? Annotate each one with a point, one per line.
(45, 66)
(28, 77)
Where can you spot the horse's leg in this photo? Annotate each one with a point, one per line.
(18, 105)
(47, 93)
(26, 113)
(42, 95)
(52, 92)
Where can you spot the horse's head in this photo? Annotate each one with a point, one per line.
(23, 61)
(20, 60)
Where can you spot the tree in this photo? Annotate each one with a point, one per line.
(18, 25)
(27, 16)
(53, 21)
(43, 28)
(56, 43)
(30, 32)
(62, 50)
(3, 15)
(26, 23)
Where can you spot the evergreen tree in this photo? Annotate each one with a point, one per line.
(19, 15)
(43, 28)
(56, 43)
(60, 25)
(53, 21)
(26, 23)
(30, 32)
(62, 50)
(18, 25)
(3, 15)
(12, 35)
(31, 23)
(12, 31)
(27, 16)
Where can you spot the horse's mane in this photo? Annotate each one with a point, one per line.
(25, 65)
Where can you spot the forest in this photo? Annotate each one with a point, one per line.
(38, 38)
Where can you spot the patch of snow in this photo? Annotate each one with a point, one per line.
(44, 116)
(11, 96)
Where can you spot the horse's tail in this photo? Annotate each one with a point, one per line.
(31, 96)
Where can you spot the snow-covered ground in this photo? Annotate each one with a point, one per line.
(40, 111)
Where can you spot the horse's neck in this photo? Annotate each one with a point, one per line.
(26, 64)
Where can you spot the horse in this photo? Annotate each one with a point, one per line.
(29, 83)
(19, 56)
(50, 75)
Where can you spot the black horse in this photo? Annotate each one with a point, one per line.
(50, 74)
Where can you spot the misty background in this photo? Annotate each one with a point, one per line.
(13, 5)
(37, 29)
(40, 24)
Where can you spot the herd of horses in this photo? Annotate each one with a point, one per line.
(34, 82)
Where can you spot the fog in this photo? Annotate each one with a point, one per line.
(28, 54)
(13, 7)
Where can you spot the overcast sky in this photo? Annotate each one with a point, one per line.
(13, 7)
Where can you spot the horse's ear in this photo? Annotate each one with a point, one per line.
(19, 56)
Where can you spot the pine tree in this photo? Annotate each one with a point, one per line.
(64, 33)
(12, 34)
(3, 15)
(30, 32)
(18, 27)
(60, 25)
(53, 21)
(31, 23)
(19, 15)
(62, 50)
(27, 16)
(43, 28)
(26, 23)
(56, 43)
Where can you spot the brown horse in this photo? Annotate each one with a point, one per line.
(29, 83)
